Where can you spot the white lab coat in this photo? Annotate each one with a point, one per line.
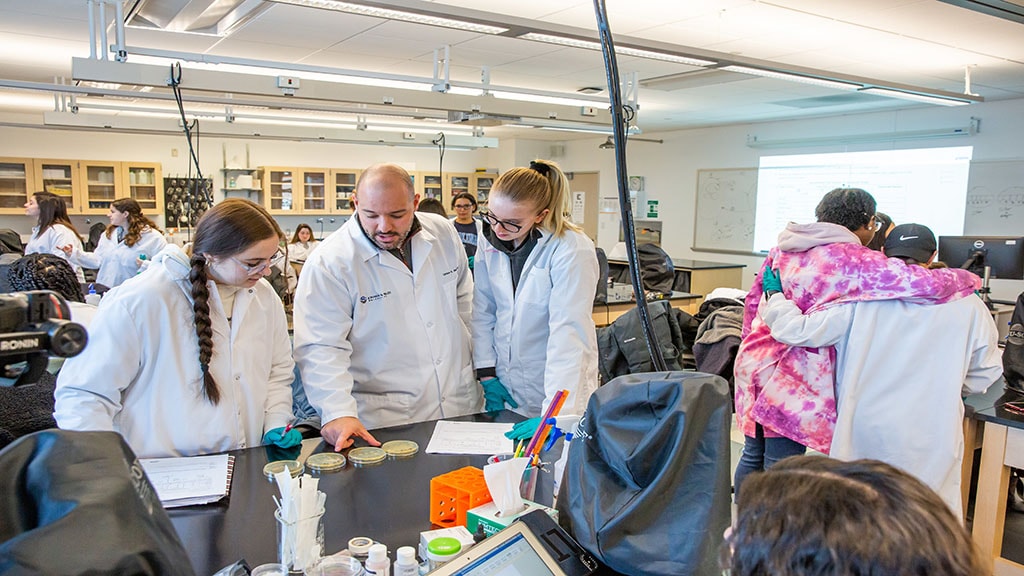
(901, 370)
(378, 342)
(50, 241)
(297, 252)
(139, 375)
(115, 259)
(541, 339)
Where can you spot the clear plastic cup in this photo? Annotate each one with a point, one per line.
(269, 570)
(528, 485)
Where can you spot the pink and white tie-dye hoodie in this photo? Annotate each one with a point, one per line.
(790, 391)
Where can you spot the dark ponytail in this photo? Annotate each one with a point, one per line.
(204, 327)
(228, 228)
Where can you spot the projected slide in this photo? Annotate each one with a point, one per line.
(927, 186)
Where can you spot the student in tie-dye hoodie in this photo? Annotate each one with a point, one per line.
(785, 396)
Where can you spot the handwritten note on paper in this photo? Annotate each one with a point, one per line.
(469, 438)
(191, 480)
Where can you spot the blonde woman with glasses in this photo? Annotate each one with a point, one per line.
(536, 275)
(192, 357)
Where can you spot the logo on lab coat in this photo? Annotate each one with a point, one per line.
(375, 297)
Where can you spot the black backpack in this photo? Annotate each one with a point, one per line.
(1013, 355)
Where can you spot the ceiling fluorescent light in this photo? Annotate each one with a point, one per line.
(755, 142)
(940, 100)
(624, 50)
(390, 14)
(573, 129)
(792, 77)
(526, 97)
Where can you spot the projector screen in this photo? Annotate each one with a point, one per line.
(925, 186)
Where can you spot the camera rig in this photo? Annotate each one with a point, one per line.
(33, 326)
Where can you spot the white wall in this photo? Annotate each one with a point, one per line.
(670, 169)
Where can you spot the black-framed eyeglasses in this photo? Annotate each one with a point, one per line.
(463, 206)
(509, 227)
(255, 268)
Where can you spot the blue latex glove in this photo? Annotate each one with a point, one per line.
(278, 437)
(770, 280)
(496, 395)
(471, 262)
(523, 430)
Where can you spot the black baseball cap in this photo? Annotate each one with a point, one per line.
(910, 241)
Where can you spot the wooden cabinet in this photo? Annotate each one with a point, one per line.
(17, 181)
(143, 182)
(314, 190)
(100, 186)
(482, 183)
(60, 177)
(278, 191)
(344, 187)
(431, 186)
(456, 184)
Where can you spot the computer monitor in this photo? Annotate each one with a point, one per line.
(1004, 255)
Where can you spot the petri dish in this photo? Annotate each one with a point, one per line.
(366, 455)
(325, 462)
(400, 448)
(293, 466)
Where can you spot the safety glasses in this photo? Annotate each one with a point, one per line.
(255, 268)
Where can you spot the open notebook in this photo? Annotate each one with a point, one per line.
(190, 480)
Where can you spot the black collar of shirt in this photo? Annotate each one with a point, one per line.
(403, 252)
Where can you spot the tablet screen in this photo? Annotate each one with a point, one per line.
(514, 557)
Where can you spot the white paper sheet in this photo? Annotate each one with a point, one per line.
(189, 481)
(469, 438)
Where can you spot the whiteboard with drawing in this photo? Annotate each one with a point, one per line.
(724, 218)
(995, 199)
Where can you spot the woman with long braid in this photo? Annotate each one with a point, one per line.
(193, 356)
(130, 238)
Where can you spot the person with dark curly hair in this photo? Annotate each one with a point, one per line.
(130, 239)
(53, 227)
(49, 272)
(815, 516)
(193, 356)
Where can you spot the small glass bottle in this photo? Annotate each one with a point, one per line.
(441, 550)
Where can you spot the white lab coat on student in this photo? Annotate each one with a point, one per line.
(542, 338)
(299, 252)
(115, 259)
(50, 241)
(139, 375)
(378, 342)
(901, 370)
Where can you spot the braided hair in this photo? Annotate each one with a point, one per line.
(137, 221)
(45, 272)
(228, 228)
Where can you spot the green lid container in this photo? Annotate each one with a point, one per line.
(443, 549)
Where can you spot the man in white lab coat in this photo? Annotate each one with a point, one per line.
(382, 316)
(901, 370)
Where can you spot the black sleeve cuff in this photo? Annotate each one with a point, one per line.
(482, 373)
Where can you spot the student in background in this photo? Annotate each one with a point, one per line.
(885, 226)
(899, 365)
(814, 516)
(432, 205)
(302, 244)
(192, 357)
(536, 275)
(53, 228)
(470, 229)
(128, 241)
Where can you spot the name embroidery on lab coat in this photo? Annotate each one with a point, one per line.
(450, 272)
(375, 297)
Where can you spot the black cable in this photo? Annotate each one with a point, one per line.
(621, 116)
(194, 185)
(439, 142)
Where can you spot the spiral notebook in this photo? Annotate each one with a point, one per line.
(190, 480)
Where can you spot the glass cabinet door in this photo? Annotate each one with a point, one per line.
(15, 184)
(100, 186)
(279, 192)
(314, 190)
(59, 177)
(433, 187)
(483, 189)
(344, 188)
(144, 185)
